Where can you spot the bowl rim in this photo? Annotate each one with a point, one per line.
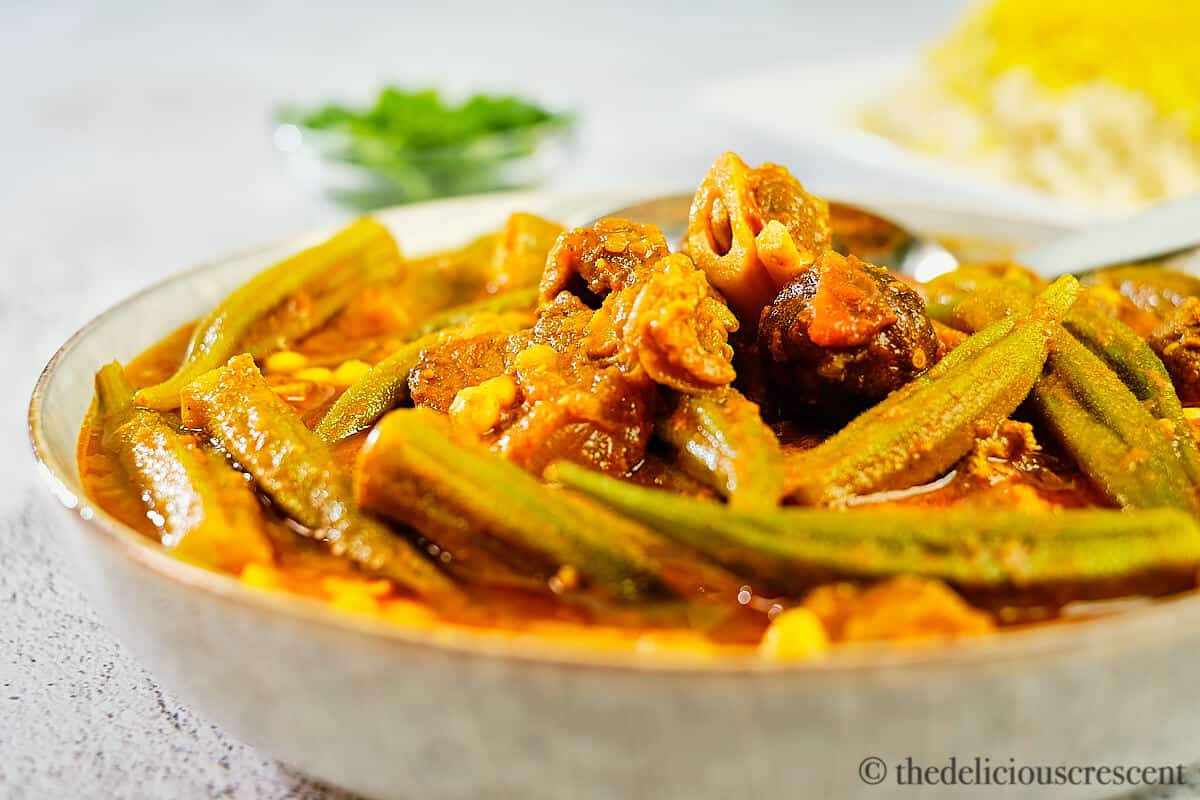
(1142, 625)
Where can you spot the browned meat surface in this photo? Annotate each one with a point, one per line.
(572, 404)
(602, 258)
(669, 324)
(843, 335)
(444, 369)
(1177, 342)
(620, 317)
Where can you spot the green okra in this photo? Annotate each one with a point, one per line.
(362, 253)
(1128, 354)
(980, 309)
(492, 497)
(205, 510)
(235, 405)
(1132, 358)
(1130, 477)
(386, 385)
(944, 293)
(1102, 396)
(1148, 450)
(500, 304)
(721, 441)
(971, 548)
(920, 431)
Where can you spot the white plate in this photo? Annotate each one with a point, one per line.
(810, 109)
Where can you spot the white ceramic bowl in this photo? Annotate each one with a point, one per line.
(391, 712)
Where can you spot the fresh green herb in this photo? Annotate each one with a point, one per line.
(416, 146)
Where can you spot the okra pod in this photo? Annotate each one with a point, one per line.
(517, 300)
(944, 293)
(1130, 477)
(1132, 358)
(720, 440)
(386, 384)
(971, 548)
(361, 253)
(923, 429)
(207, 513)
(1148, 448)
(236, 406)
(412, 448)
(1106, 391)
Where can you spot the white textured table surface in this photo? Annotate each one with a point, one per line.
(135, 142)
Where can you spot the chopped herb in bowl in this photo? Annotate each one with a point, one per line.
(414, 145)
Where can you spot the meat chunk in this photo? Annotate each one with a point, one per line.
(843, 335)
(619, 317)
(671, 325)
(1177, 342)
(602, 258)
(574, 405)
(445, 369)
(753, 230)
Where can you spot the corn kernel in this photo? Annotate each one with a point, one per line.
(475, 410)
(315, 374)
(796, 633)
(536, 357)
(286, 361)
(478, 408)
(348, 372)
(501, 387)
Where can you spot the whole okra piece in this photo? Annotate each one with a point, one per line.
(235, 405)
(1079, 383)
(720, 440)
(974, 548)
(333, 272)
(205, 510)
(1105, 396)
(921, 430)
(1128, 477)
(1132, 358)
(415, 468)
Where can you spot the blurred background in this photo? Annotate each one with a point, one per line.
(141, 137)
(138, 137)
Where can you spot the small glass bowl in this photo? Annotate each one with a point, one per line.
(362, 173)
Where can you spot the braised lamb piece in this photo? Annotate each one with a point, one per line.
(844, 334)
